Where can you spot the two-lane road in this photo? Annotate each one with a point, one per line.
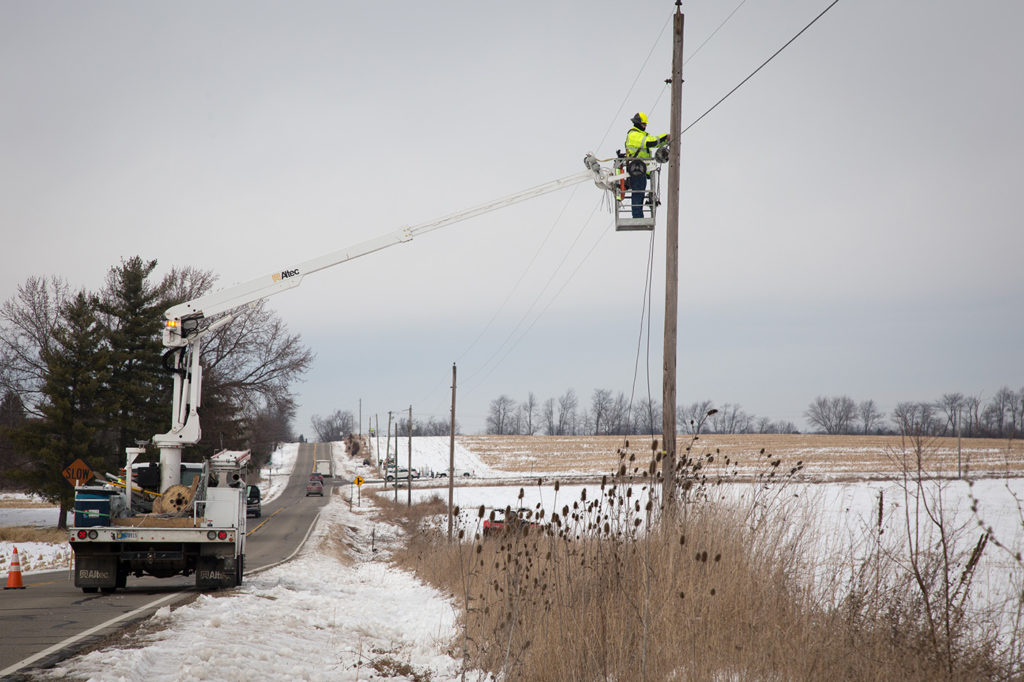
(51, 618)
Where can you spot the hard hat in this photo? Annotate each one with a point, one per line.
(639, 118)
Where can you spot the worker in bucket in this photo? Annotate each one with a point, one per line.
(639, 145)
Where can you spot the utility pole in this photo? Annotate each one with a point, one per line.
(387, 451)
(451, 461)
(668, 402)
(410, 459)
(360, 418)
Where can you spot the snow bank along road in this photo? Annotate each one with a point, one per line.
(51, 617)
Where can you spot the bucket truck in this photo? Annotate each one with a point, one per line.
(198, 525)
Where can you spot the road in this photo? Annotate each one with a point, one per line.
(52, 619)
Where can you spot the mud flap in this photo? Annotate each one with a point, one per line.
(96, 572)
(214, 572)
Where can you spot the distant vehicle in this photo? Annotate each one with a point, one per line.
(315, 486)
(402, 474)
(253, 501)
(507, 521)
(444, 474)
(317, 475)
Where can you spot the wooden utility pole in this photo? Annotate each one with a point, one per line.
(409, 504)
(451, 461)
(668, 402)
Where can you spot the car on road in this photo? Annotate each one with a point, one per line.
(253, 501)
(315, 485)
(507, 520)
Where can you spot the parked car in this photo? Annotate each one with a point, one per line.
(507, 521)
(401, 474)
(444, 474)
(253, 501)
(315, 486)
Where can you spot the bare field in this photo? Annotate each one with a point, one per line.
(824, 457)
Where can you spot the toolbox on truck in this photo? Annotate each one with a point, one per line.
(92, 507)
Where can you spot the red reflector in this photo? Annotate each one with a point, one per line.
(222, 535)
(81, 534)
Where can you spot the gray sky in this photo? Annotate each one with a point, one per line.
(849, 225)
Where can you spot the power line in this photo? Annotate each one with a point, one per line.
(763, 64)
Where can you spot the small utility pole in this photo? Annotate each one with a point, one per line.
(451, 461)
(410, 459)
(959, 452)
(360, 418)
(387, 450)
(668, 418)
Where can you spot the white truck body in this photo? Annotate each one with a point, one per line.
(110, 542)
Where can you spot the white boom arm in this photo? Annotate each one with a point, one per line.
(183, 336)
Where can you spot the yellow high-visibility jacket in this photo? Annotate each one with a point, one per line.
(639, 144)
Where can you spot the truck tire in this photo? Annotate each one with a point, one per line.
(239, 569)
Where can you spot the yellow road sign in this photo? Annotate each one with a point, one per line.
(358, 481)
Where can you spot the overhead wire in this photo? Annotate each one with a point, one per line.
(540, 248)
(650, 262)
(763, 64)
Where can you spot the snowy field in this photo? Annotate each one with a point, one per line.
(430, 455)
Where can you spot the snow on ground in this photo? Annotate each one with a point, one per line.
(317, 617)
(274, 476)
(430, 454)
(34, 556)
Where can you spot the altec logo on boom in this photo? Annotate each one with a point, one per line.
(284, 274)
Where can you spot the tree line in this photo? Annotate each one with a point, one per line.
(609, 413)
(81, 375)
(1001, 416)
(341, 423)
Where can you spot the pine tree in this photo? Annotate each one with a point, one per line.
(75, 401)
(132, 310)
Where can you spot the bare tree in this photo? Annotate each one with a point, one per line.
(567, 404)
(547, 415)
(916, 418)
(600, 404)
(333, 427)
(971, 408)
(500, 416)
(28, 321)
(691, 415)
(869, 414)
(834, 415)
(951, 404)
(647, 416)
(529, 413)
(618, 415)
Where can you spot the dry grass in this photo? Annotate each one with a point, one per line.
(32, 534)
(824, 457)
(605, 590)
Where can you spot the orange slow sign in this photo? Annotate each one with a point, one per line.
(77, 472)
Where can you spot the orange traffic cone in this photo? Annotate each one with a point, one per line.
(14, 575)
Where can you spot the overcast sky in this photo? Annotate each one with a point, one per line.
(850, 218)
